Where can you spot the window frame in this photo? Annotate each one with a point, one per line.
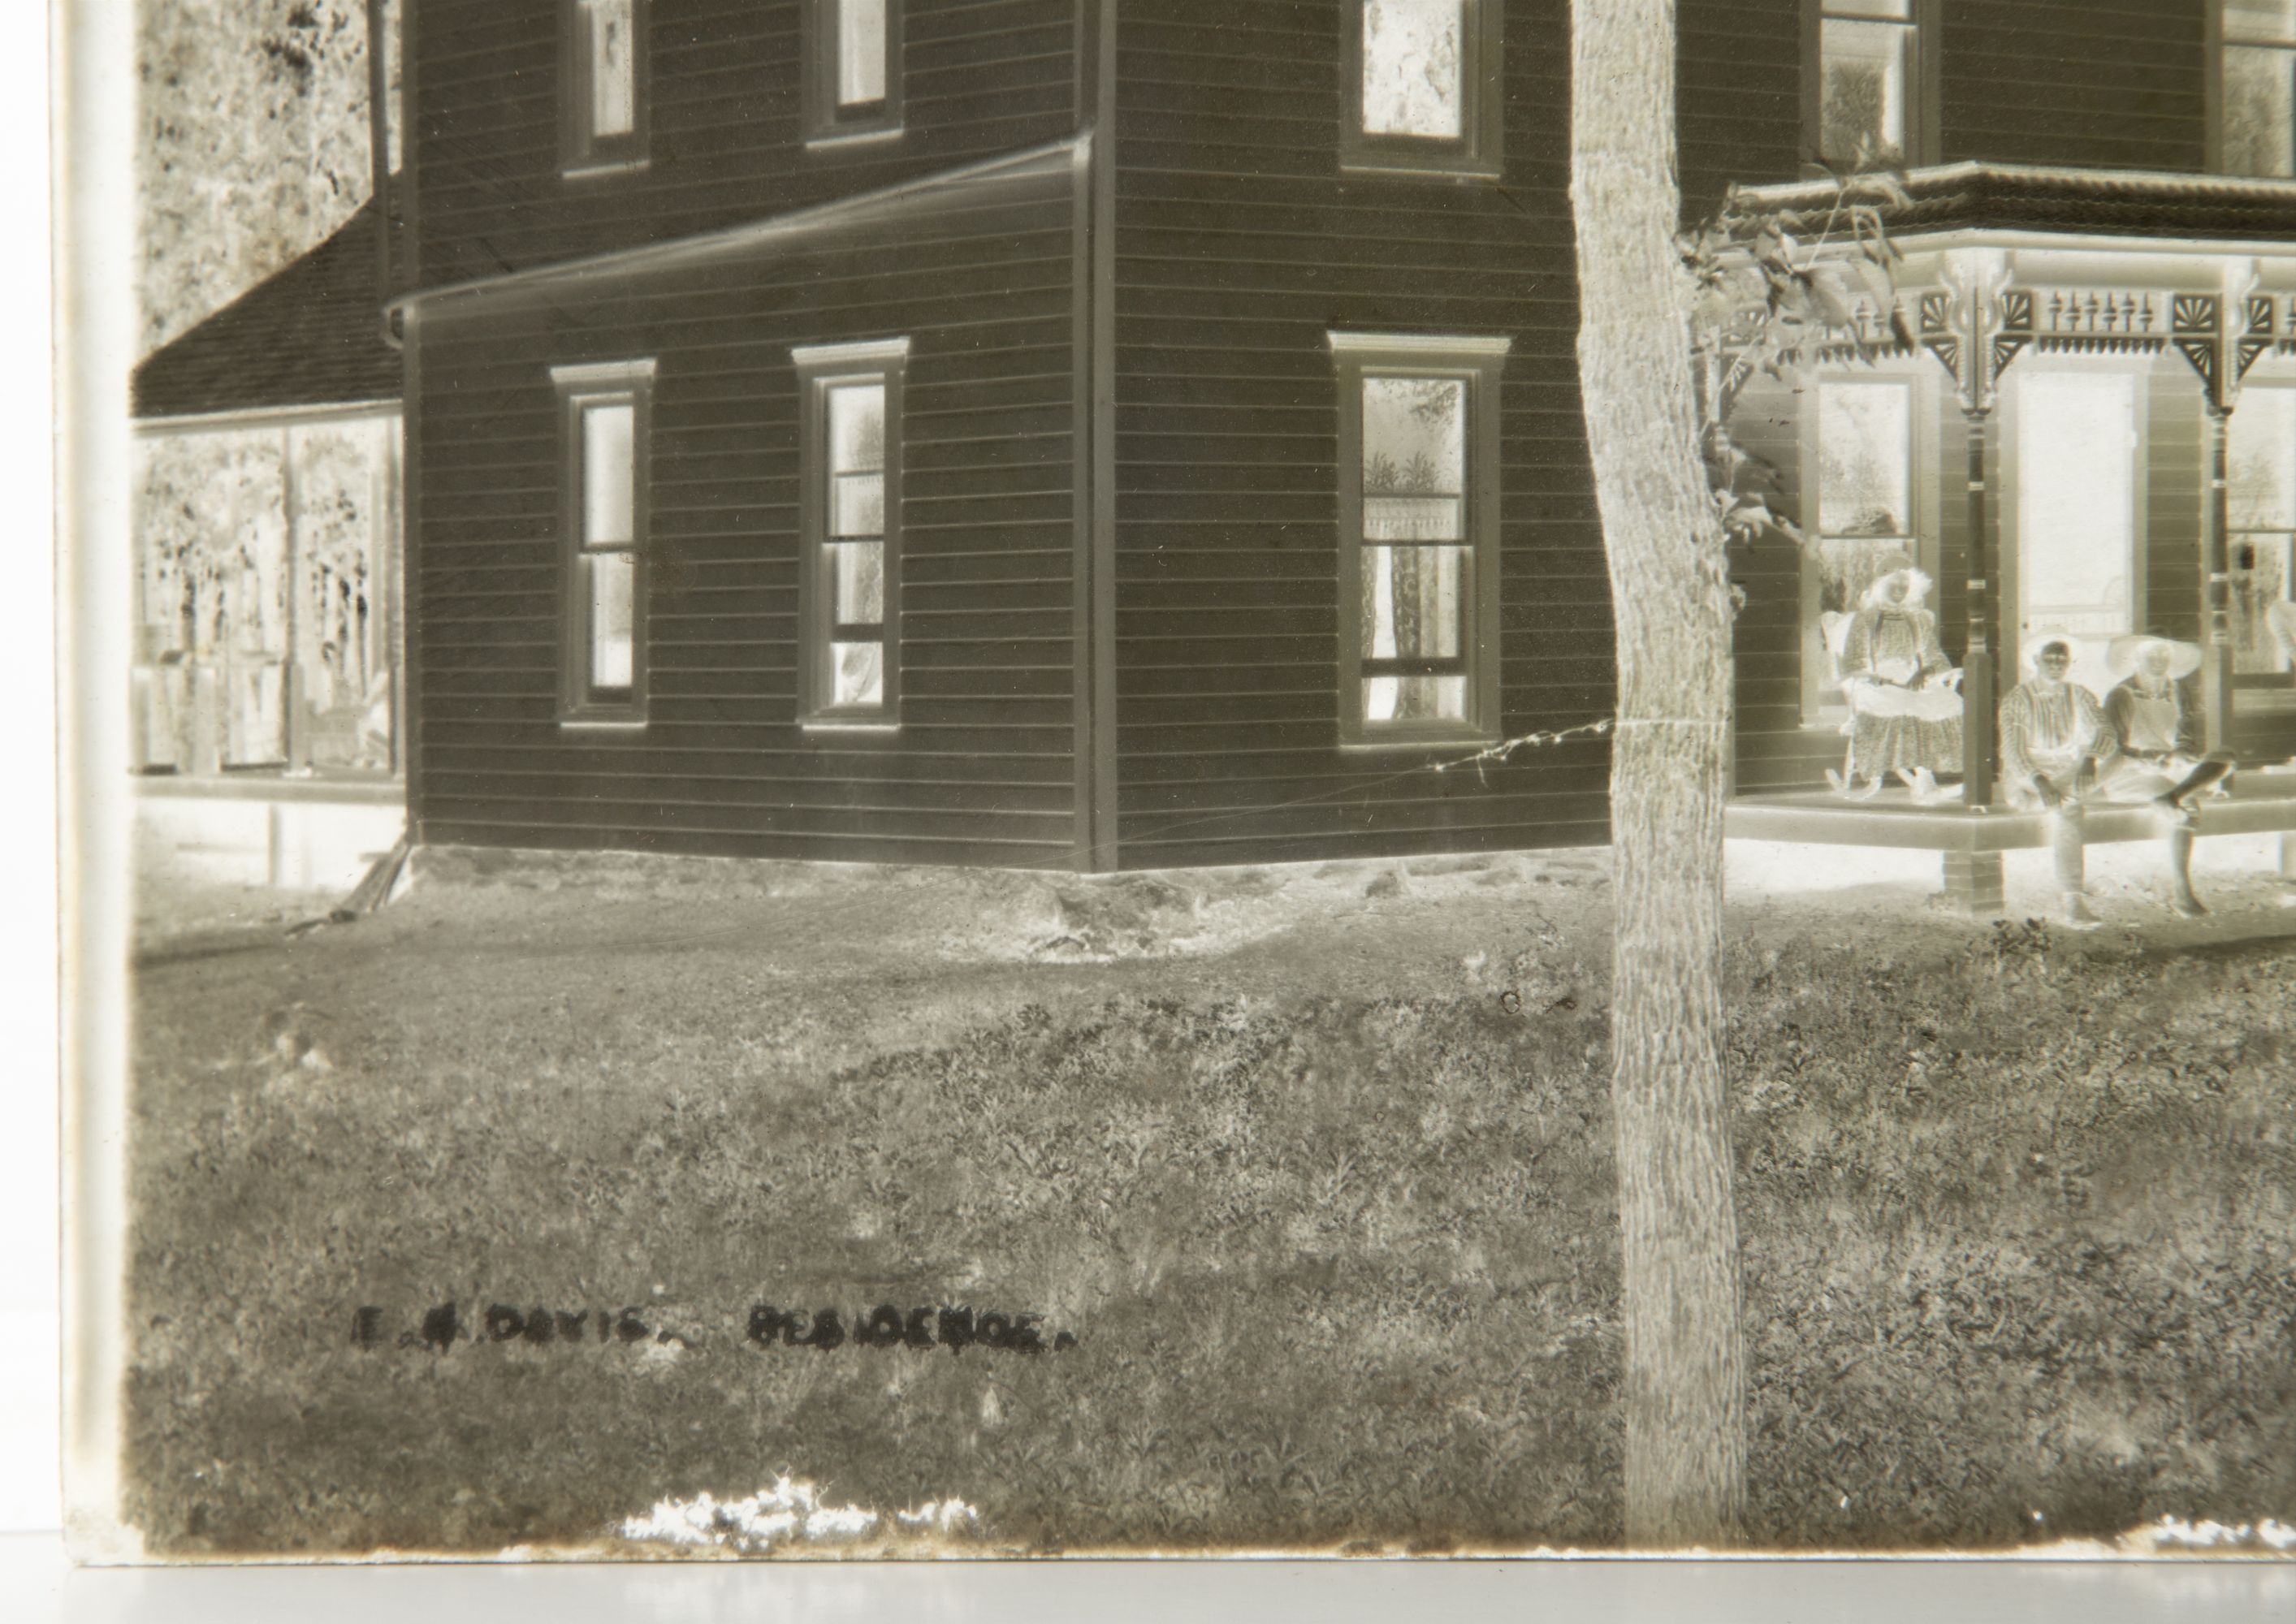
(1924, 543)
(820, 368)
(583, 152)
(2281, 383)
(1923, 97)
(2008, 609)
(2217, 45)
(581, 703)
(1479, 362)
(1476, 152)
(826, 123)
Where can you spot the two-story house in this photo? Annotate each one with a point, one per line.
(1103, 434)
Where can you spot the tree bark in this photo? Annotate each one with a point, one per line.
(1684, 1362)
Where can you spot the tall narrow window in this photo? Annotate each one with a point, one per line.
(604, 413)
(1868, 87)
(2256, 101)
(1861, 461)
(604, 96)
(1419, 537)
(2260, 540)
(849, 521)
(853, 88)
(1421, 90)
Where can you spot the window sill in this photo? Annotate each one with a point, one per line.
(866, 135)
(604, 169)
(1402, 166)
(600, 724)
(827, 724)
(1418, 742)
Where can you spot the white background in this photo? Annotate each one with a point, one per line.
(28, 875)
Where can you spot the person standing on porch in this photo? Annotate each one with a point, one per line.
(2158, 726)
(2055, 743)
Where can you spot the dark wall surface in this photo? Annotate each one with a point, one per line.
(2105, 84)
(981, 769)
(1240, 241)
(1738, 96)
(1239, 245)
(2109, 84)
(726, 142)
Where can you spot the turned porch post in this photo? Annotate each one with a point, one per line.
(1978, 665)
(1975, 325)
(2221, 352)
(2216, 603)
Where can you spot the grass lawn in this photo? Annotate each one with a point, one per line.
(1305, 1175)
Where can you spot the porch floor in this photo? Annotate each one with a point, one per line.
(2262, 801)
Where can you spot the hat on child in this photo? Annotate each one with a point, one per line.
(2032, 643)
(2125, 654)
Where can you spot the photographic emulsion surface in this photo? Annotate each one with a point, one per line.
(1002, 778)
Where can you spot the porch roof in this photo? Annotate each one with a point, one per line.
(2016, 199)
(310, 335)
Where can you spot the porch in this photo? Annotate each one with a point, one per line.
(2076, 412)
(1970, 840)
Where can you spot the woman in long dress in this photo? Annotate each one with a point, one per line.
(1905, 715)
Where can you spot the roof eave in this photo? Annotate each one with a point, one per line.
(835, 215)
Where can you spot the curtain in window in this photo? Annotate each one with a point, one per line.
(1415, 568)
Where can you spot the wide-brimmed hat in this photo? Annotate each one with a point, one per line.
(2031, 644)
(2125, 654)
(1896, 563)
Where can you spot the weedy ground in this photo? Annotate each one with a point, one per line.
(1314, 1165)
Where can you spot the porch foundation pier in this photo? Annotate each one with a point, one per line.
(2216, 615)
(1973, 883)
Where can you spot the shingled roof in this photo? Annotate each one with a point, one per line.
(310, 335)
(2080, 203)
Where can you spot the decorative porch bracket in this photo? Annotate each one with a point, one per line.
(2221, 352)
(1976, 325)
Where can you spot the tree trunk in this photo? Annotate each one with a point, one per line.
(1684, 1363)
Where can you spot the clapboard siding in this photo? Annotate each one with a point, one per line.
(1773, 749)
(2176, 438)
(726, 141)
(981, 769)
(2108, 83)
(2091, 83)
(1239, 244)
(1738, 96)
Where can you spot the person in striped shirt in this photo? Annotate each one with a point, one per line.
(2055, 747)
